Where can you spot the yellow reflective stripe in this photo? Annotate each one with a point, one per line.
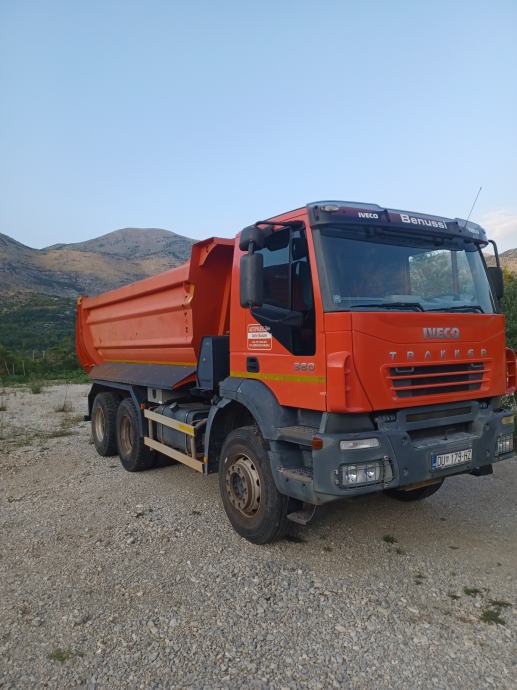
(279, 377)
(186, 429)
(142, 361)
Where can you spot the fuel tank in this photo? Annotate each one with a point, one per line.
(162, 319)
(186, 413)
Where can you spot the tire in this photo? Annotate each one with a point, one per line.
(133, 454)
(104, 423)
(254, 506)
(415, 494)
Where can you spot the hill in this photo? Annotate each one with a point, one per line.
(508, 260)
(90, 267)
(131, 242)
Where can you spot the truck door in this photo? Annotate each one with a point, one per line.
(281, 343)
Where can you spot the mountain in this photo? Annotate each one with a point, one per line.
(131, 242)
(90, 267)
(508, 260)
(103, 263)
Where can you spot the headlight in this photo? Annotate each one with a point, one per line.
(504, 444)
(359, 443)
(362, 473)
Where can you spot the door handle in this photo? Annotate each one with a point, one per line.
(252, 365)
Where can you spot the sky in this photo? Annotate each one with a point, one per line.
(202, 117)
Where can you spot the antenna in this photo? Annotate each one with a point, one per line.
(472, 207)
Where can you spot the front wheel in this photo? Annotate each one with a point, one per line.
(255, 507)
(415, 494)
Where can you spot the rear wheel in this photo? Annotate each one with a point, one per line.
(134, 455)
(255, 508)
(415, 494)
(104, 423)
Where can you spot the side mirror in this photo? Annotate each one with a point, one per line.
(255, 235)
(252, 280)
(495, 277)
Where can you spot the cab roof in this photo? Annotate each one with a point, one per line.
(337, 212)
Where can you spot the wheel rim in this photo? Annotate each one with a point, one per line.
(100, 423)
(243, 485)
(126, 436)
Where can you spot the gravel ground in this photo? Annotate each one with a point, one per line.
(113, 580)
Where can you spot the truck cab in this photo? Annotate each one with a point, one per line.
(358, 349)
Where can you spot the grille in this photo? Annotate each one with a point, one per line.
(436, 379)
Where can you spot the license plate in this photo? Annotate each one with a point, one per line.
(457, 457)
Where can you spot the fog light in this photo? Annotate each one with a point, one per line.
(362, 473)
(359, 443)
(504, 444)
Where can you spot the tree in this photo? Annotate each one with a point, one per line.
(509, 305)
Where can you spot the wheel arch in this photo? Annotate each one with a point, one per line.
(244, 402)
(223, 418)
(122, 391)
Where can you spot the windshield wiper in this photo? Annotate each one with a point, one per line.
(462, 307)
(415, 306)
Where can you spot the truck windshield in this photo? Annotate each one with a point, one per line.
(371, 269)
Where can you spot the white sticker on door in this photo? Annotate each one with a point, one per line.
(259, 337)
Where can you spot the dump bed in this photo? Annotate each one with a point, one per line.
(160, 320)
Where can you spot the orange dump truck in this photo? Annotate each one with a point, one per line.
(331, 351)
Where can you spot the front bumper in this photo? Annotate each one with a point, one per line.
(407, 441)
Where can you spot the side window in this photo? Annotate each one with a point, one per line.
(276, 270)
(288, 289)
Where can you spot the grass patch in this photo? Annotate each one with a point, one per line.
(65, 406)
(69, 421)
(390, 539)
(66, 428)
(63, 655)
(59, 433)
(419, 579)
(499, 603)
(400, 552)
(35, 387)
(294, 539)
(453, 596)
(493, 617)
(471, 591)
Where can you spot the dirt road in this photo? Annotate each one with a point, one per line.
(115, 580)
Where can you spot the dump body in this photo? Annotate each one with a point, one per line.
(162, 319)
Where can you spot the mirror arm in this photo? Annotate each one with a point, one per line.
(496, 253)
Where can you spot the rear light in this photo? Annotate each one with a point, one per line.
(504, 444)
(511, 371)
